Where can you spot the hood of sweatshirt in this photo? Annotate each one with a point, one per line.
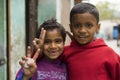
(75, 48)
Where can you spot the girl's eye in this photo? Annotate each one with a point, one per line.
(58, 41)
(46, 42)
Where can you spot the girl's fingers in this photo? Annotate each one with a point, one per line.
(39, 42)
(42, 34)
(32, 65)
(36, 43)
(22, 63)
(41, 38)
(29, 51)
(27, 61)
(36, 54)
(70, 35)
(30, 61)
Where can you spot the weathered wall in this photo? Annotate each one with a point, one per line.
(17, 34)
(3, 40)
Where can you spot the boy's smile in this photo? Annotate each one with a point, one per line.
(84, 26)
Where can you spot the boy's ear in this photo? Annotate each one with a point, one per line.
(70, 27)
(98, 27)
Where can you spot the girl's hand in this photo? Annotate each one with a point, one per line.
(38, 43)
(70, 35)
(29, 67)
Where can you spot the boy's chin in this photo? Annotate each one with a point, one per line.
(83, 43)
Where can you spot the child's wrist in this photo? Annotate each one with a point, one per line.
(26, 78)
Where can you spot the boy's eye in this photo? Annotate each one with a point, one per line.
(89, 25)
(77, 25)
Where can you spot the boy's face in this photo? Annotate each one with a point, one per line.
(84, 26)
(53, 45)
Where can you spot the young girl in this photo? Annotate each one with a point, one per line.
(49, 67)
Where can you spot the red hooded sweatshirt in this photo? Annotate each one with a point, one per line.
(94, 61)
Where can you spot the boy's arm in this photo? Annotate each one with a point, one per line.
(118, 69)
(114, 68)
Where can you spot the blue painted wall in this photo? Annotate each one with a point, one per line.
(3, 38)
(17, 34)
(46, 10)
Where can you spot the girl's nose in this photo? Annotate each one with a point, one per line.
(53, 45)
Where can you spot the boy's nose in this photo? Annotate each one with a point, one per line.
(82, 29)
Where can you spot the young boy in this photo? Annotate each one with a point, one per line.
(89, 58)
(49, 67)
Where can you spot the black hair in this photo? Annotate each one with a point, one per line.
(118, 28)
(51, 25)
(84, 8)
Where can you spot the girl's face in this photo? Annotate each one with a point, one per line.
(53, 45)
(84, 27)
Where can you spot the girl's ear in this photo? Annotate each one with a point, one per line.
(98, 28)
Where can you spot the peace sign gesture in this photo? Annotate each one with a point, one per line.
(28, 64)
(39, 42)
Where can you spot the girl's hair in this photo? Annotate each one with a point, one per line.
(84, 8)
(51, 25)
